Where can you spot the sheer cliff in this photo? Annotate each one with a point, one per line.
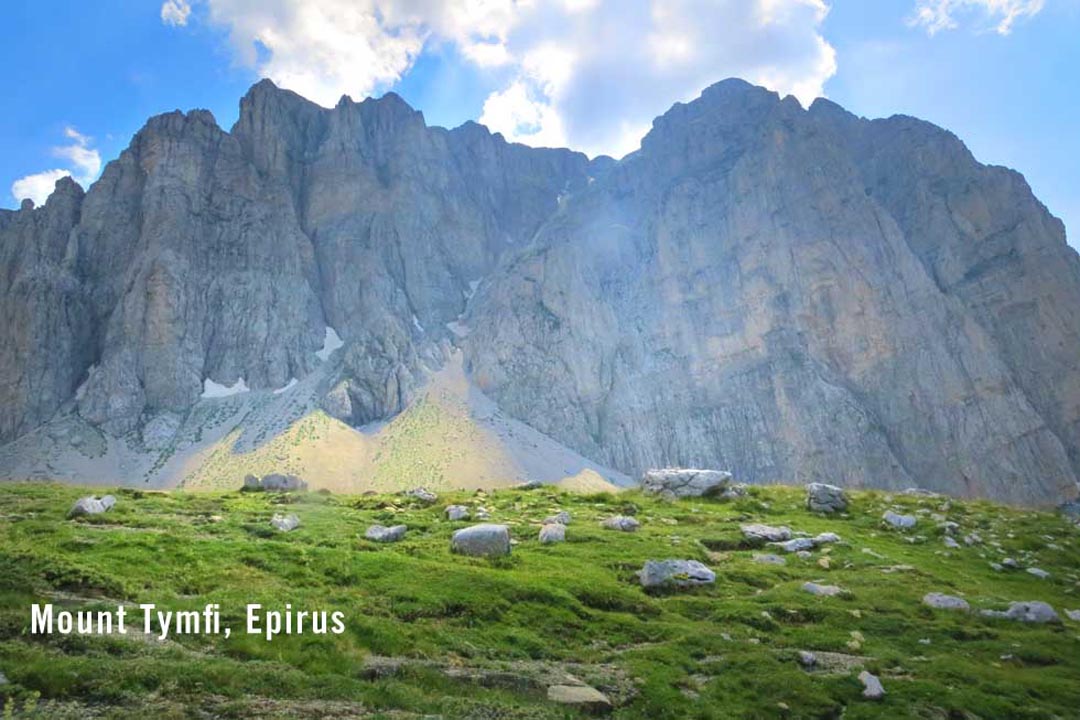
(791, 294)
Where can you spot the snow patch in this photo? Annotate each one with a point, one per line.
(288, 386)
(331, 342)
(416, 323)
(212, 389)
(473, 284)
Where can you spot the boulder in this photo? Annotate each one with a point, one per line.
(1073, 615)
(685, 482)
(1038, 572)
(108, 501)
(826, 498)
(277, 482)
(285, 523)
(457, 512)
(765, 533)
(945, 602)
(1032, 612)
(252, 483)
(902, 522)
(622, 522)
(872, 687)
(552, 533)
(380, 533)
(481, 541)
(90, 505)
(679, 573)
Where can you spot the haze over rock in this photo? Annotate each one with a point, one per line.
(792, 295)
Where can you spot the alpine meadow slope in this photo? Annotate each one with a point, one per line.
(791, 294)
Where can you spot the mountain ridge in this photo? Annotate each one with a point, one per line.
(792, 294)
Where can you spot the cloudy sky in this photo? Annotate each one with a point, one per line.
(587, 74)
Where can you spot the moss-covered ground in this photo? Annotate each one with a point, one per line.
(429, 633)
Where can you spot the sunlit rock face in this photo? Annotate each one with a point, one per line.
(792, 295)
(795, 296)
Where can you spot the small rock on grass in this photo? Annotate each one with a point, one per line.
(379, 533)
(825, 498)
(1032, 612)
(622, 522)
(872, 687)
(945, 602)
(769, 559)
(423, 495)
(582, 697)
(1038, 572)
(1073, 615)
(562, 518)
(285, 523)
(903, 522)
(680, 573)
(766, 533)
(457, 512)
(552, 533)
(91, 505)
(826, 590)
(481, 541)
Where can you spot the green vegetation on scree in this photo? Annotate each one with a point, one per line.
(724, 651)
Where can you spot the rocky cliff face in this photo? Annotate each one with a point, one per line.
(793, 295)
(798, 295)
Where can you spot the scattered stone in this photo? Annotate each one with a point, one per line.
(285, 523)
(826, 590)
(903, 522)
(482, 514)
(951, 544)
(581, 697)
(531, 485)
(1073, 615)
(252, 483)
(3, 679)
(945, 602)
(1010, 563)
(973, 539)
(997, 566)
(680, 573)
(826, 538)
(803, 554)
(766, 533)
(552, 533)
(769, 559)
(1038, 572)
(382, 534)
(823, 563)
(825, 498)
(562, 518)
(91, 505)
(685, 482)
(871, 553)
(872, 688)
(1032, 612)
(734, 492)
(796, 545)
(423, 495)
(481, 541)
(807, 659)
(457, 512)
(622, 522)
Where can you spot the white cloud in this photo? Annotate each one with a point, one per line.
(588, 73)
(938, 15)
(85, 164)
(175, 12)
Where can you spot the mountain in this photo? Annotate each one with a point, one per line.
(791, 294)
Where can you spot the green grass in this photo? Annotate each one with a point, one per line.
(482, 639)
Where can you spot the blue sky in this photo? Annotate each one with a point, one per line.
(591, 74)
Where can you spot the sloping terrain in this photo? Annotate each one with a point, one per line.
(431, 633)
(450, 436)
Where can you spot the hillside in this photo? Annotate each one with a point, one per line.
(431, 633)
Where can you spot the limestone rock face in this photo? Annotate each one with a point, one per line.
(755, 291)
(794, 295)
